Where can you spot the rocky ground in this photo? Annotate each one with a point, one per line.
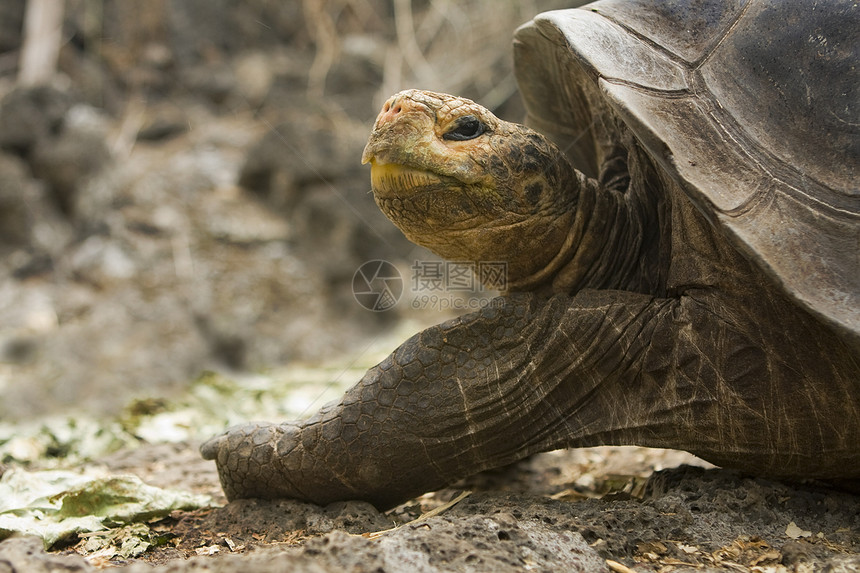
(181, 216)
(561, 511)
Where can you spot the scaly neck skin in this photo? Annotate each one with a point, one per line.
(533, 249)
(544, 249)
(558, 273)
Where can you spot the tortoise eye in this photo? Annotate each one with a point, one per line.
(467, 127)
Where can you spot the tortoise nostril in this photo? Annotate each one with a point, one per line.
(391, 110)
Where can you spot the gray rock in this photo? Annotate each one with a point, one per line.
(29, 114)
(27, 555)
(66, 161)
(11, 24)
(15, 214)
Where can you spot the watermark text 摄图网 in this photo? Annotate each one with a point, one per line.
(459, 276)
(436, 285)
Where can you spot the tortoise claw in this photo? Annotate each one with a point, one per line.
(249, 460)
(209, 448)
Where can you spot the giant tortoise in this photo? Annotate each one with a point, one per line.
(681, 230)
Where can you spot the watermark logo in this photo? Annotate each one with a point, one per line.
(377, 285)
(440, 285)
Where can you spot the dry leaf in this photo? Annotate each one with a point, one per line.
(772, 555)
(794, 532)
(211, 550)
(618, 567)
(654, 547)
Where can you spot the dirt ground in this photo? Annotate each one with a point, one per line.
(186, 202)
(586, 510)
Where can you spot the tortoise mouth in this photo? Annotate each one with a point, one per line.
(419, 201)
(390, 180)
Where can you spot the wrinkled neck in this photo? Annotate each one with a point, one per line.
(547, 274)
(541, 279)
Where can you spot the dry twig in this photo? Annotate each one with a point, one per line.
(432, 513)
(43, 29)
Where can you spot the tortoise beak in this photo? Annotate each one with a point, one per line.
(379, 147)
(368, 155)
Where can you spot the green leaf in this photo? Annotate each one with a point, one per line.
(55, 505)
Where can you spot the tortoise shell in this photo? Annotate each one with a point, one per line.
(752, 106)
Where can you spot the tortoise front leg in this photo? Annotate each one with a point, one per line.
(603, 367)
(477, 392)
(410, 425)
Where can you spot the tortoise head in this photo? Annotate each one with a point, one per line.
(468, 186)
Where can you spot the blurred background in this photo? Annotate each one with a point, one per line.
(181, 188)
